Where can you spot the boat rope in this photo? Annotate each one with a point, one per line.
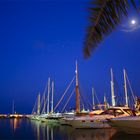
(64, 93)
(130, 88)
(118, 98)
(85, 100)
(34, 107)
(41, 103)
(81, 100)
(42, 99)
(43, 110)
(97, 99)
(68, 100)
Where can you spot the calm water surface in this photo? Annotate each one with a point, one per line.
(30, 129)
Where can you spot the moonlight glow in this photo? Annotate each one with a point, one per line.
(133, 22)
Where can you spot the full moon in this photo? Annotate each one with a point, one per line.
(133, 22)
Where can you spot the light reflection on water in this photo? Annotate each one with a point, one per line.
(15, 123)
(31, 129)
(50, 132)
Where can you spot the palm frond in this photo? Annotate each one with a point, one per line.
(105, 15)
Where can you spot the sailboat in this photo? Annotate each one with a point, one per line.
(14, 114)
(100, 121)
(36, 110)
(52, 117)
(95, 111)
(129, 124)
(44, 114)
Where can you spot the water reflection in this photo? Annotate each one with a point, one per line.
(15, 123)
(42, 130)
(51, 132)
(31, 129)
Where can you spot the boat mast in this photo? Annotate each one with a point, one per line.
(77, 90)
(48, 103)
(44, 105)
(38, 104)
(105, 101)
(112, 88)
(93, 101)
(52, 97)
(13, 108)
(125, 89)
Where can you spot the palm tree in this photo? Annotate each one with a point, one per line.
(104, 17)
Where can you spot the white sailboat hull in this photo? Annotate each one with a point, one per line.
(129, 125)
(89, 124)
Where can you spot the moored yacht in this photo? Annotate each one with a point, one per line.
(99, 121)
(130, 125)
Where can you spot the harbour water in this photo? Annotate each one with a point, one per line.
(16, 129)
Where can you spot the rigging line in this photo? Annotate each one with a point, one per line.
(83, 102)
(41, 104)
(87, 102)
(43, 110)
(34, 106)
(46, 101)
(97, 99)
(42, 99)
(33, 110)
(68, 100)
(64, 93)
(118, 90)
(130, 88)
(45, 90)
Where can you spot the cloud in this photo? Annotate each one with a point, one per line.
(129, 28)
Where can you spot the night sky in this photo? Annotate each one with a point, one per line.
(43, 38)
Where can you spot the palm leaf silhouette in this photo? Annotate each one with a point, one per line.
(104, 17)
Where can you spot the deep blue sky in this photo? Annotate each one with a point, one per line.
(44, 38)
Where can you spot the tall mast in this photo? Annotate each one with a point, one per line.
(93, 101)
(38, 104)
(125, 88)
(44, 105)
(112, 88)
(13, 108)
(48, 103)
(52, 97)
(105, 101)
(77, 91)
